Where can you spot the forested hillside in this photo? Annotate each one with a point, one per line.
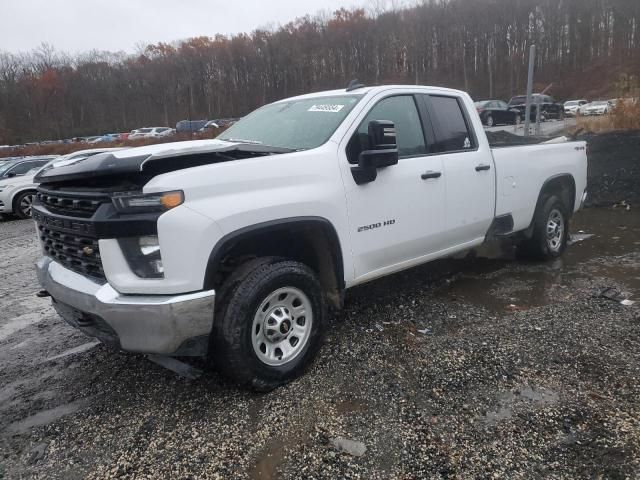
(481, 46)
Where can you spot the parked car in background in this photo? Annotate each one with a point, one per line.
(572, 107)
(17, 192)
(13, 173)
(190, 126)
(548, 106)
(106, 138)
(497, 112)
(151, 132)
(210, 125)
(598, 107)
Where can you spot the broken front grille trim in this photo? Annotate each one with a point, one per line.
(78, 253)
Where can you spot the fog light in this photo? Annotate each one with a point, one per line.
(143, 256)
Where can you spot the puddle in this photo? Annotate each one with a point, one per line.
(527, 396)
(269, 460)
(46, 417)
(344, 407)
(607, 244)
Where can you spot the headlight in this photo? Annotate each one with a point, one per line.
(128, 202)
(2, 187)
(143, 256)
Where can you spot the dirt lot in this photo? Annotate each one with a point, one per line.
(469, 368)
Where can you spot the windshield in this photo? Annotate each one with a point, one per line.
(571, 103)
(294, 124)
(599, 103)
(481, 104)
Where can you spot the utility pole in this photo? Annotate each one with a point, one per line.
(527, 111)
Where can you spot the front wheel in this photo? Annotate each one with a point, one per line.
(23, 204)
(270, 323)
(550, 231)
(489, 121)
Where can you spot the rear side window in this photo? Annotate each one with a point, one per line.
(24, 167)
(402, 111)
(452, 131)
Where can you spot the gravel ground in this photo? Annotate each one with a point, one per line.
(614, 168)
(461, 369)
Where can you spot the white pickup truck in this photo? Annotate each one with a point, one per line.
(234, 248)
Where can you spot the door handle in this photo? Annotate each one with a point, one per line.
(430, 174)
(480, 168)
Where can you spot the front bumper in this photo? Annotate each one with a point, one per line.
(160, 324)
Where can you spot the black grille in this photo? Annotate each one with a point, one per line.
(70, 204)
(79, 253)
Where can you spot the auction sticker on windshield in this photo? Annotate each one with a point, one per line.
(326, 108)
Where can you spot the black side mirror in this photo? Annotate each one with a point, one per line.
(383, 151)
(11, 174)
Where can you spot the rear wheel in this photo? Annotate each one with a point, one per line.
(517, 120)
(23, 203)
(550, 231)
(489, 121)
(269, 325)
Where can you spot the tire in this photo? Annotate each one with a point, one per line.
(517, 121)
(269, 308)
(22, 204)
(551, 214)
(489, 121)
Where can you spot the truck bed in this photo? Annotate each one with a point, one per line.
(518, 188)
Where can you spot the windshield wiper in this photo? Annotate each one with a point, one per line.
(257, 143)
(242, 140)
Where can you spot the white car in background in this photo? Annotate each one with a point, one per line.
(151, 132)
(17, 186)
(598, 107)
(572, 107)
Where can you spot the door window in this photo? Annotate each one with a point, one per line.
(23, 168)
(402, 111)
(452, 131)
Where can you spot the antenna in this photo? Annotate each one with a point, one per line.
(354, 85)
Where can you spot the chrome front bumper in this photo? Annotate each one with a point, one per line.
(160, 324)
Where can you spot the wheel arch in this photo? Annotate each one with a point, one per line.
(16, 195)
(316, 236)
(562, 184)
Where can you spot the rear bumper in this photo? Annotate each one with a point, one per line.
(160, 324)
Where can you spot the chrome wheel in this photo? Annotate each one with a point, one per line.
(555, 230)
(25, 205)
(282, 326)
(489, 121)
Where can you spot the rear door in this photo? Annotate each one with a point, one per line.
(468, 170)
(399, 217)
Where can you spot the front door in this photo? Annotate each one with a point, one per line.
(399, 217)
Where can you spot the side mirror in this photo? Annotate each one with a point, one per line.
(383, 151)
(11, 174)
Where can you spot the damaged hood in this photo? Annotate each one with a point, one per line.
(146, 159)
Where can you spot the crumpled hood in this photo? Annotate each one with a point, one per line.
(140, 159)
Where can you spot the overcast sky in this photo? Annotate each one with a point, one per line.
(115, 25)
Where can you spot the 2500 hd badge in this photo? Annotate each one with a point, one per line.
(373, 226)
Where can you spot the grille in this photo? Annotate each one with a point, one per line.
(69, 204)
(79, 253)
